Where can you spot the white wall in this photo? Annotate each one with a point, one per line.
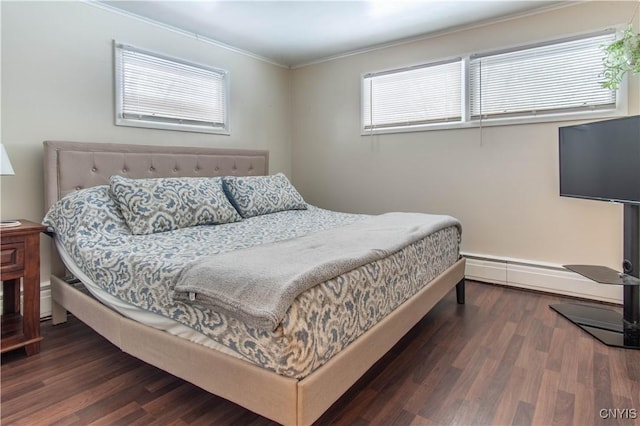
(502, 182)
(57, 83)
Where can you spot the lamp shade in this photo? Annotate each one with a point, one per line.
(5, 163)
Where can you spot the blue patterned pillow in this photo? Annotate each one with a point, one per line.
(85, 209)
(258, 195)
(165, 204)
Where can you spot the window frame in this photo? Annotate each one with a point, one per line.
(161, 124)
(620, 109)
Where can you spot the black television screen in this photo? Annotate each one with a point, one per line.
(601, 160)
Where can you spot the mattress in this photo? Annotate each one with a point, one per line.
(136, 275)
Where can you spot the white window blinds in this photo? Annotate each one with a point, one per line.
(547, 79)
(163, 92)
(425, 94)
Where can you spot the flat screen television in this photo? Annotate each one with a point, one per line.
(601, 160)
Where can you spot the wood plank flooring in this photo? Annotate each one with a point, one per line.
(503, 358)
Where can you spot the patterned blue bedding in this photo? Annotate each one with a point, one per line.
(142, 270)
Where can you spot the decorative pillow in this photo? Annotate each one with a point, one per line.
(85, 209)
(258, 195)
(165, 204)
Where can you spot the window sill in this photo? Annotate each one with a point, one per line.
(494, 122)
(172, 126)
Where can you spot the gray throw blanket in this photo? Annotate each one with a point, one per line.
(257, 285)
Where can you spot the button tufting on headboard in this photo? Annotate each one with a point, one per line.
(70, 166)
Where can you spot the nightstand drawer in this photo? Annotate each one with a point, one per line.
(12, 258)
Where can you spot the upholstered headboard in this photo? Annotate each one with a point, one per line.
(69, 166)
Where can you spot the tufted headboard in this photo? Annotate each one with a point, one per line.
(69, 166)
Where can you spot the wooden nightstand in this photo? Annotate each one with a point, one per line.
(21, 259)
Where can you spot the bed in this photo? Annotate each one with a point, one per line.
(289, 391)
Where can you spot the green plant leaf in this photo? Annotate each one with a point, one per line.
(621, 56)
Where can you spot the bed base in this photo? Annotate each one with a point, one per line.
(285, 400)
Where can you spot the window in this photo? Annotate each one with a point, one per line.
(414, 96)
(550, 81)
(555, 78)
(167, 93)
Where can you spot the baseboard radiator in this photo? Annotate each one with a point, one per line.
(544, 277)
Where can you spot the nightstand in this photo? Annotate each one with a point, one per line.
(21, 262)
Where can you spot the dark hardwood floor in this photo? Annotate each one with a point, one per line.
(503, 358)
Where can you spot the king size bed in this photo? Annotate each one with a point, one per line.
(141, 275)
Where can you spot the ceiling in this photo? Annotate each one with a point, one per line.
(294, 33)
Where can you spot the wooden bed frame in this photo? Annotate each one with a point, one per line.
(74, 165)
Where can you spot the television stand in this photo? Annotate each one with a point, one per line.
(607, 325)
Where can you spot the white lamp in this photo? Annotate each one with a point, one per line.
(6, 169)
(5, 164)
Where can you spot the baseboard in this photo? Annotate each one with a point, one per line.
(45, 300)
(538, 276)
